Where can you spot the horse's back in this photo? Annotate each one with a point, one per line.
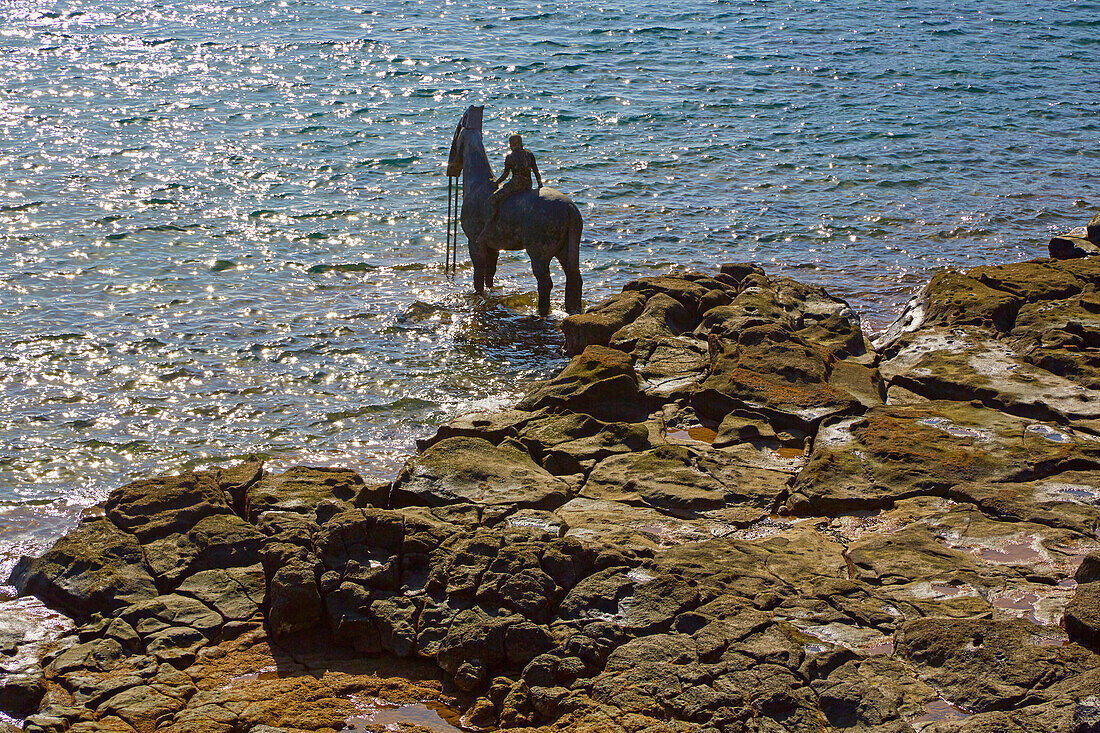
(544, 210)
(539, 221)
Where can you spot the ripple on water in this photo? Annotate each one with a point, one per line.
(243, 249)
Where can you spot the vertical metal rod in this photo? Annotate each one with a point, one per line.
(458, 219)
(447, 253)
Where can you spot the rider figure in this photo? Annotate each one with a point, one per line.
(521, 164)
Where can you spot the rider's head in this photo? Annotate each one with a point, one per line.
(515, 142)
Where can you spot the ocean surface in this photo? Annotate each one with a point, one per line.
(222, 223)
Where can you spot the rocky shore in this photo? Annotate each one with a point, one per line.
(729, 512)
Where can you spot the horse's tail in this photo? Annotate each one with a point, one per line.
(571, 262)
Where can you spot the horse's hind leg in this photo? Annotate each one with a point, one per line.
(569, 258)
(541, 268)
(491, 256)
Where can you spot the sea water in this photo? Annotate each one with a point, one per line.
(222, 222)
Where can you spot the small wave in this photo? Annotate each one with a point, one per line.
(13, 208)
(346, 267)
(337, 214)
(399, 162)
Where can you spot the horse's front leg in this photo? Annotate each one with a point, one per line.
(541, 268)
(491, 256)
(477, 257)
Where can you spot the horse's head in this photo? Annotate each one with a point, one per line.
(471, 120)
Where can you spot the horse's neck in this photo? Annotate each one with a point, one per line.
(476, 173)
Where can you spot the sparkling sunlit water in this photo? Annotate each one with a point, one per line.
(216, 217)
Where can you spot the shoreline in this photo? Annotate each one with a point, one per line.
(730, 506)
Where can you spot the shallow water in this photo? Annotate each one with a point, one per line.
(221, 225)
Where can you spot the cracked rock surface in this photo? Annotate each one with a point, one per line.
(730, 512)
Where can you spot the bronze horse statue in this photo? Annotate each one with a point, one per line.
(545, 222)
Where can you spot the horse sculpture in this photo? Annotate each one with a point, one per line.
(545, 222)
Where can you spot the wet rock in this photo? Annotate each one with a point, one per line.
(663, 317)
(1067, 247)
(95, 568)
(600, 382)
(20, 694)
(596, 326)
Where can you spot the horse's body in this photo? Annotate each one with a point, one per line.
(544, 222)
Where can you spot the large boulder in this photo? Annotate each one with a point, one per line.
(95, 568)
(159, 507)
(600, 382)
(1068, 247)
(770, 371)
(596, 326)
(215, 541)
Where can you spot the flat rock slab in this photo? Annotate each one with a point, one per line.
(899, 451)
(687, 483)
(472, 470)
(1069, 500)
(980, 664)
(966, 364)
(600, 519)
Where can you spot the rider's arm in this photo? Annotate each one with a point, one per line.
(535, 170)
(507, 170)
